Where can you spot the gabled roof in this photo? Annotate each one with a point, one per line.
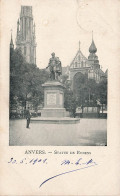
(78, 53)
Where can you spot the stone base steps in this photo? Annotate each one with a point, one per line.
(48, 120)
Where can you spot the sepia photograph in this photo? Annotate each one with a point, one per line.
(58, 77)
(59, 97)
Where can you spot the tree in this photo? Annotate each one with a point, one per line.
(16, 64)
(70, 102)
(85, 90)
(102, 92)
(25, 81)
(69, 98)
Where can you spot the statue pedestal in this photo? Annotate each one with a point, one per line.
(53, 100)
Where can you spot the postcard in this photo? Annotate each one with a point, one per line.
(60, 97)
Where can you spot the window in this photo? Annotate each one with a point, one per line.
(75, 64)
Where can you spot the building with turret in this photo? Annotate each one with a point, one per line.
(25, 39)
(93, 58)
(82, 65)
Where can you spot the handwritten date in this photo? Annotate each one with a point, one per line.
(28, 161)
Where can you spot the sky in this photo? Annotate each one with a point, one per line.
(61, 24)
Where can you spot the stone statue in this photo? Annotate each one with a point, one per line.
(55, 67)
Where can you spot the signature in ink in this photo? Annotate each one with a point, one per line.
(87, 164)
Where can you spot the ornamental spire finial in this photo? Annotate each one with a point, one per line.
(11, 41)
(92, 35)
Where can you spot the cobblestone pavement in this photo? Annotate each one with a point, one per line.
(89, 132)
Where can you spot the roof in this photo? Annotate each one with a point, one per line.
(81, 55)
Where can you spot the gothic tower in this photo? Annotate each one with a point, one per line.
(25, 39)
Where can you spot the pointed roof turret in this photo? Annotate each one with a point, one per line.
(93, 58)
(11, 41)
(92, 48)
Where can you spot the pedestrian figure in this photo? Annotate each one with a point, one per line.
(27, 117)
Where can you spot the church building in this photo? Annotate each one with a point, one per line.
(82, 65)
(25, 39)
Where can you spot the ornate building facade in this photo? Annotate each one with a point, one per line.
(25, 39)
(90, 66)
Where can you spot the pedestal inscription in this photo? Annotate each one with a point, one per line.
(51, 98)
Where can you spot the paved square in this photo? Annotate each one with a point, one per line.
(89, 132)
